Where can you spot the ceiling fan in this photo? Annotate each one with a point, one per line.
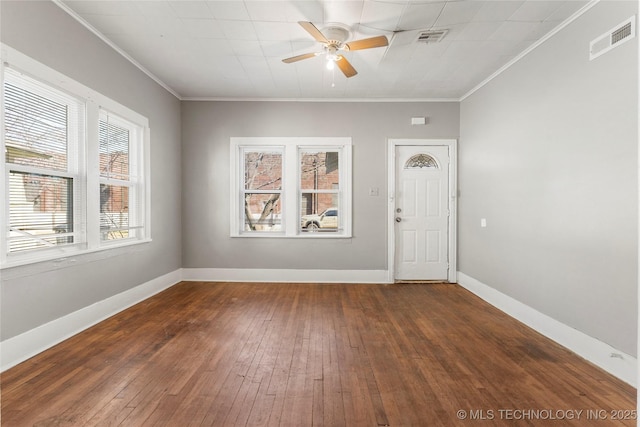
(334, 39)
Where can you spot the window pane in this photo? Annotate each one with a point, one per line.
(40, 211)
(262, 170)
(114, 150)
(36, 129)
(324, 219)
(262, 212)
(114, 212)
(319, 170)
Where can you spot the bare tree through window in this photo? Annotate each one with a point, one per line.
(262, 190)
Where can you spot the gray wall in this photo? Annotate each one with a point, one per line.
(36, 294)
(548, 155)
(207, 127)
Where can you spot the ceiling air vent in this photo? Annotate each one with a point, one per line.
(431, 36)
(613, 38)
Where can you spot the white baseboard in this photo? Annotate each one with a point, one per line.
(26, 345)
(283, 275)
(614, 361)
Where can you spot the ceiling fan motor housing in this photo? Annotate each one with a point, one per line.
(336, 34)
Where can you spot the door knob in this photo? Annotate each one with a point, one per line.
(398, 219)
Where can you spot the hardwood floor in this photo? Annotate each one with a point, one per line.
(239, 354)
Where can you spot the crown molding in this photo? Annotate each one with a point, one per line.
(528, 50)
(231, 99)
(114, 46)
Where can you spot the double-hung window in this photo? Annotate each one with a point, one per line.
(261, 192)
(291, 187)
(43, 145)
(320, 192)
(75, 167)
(121, 189)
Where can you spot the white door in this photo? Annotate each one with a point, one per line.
(421, 213)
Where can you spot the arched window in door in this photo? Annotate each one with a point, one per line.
(420, 161)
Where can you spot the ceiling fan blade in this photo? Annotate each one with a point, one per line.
(300, 57)
(315, 32)
(346, 67)
(369, 43)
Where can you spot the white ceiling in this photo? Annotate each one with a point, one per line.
(234, 49)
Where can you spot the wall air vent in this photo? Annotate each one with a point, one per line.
(613, 38)
(431, 36)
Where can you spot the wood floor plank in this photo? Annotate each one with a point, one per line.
(265, 354)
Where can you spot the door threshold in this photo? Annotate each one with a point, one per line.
(421, 282)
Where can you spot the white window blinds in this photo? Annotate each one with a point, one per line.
(121, 198)
(42, 131)
(75, 168)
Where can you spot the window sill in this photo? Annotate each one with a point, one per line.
(73, 257)
(313, 235)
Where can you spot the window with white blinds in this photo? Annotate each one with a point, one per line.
(120, 193)
(43, 132)
(75, 167)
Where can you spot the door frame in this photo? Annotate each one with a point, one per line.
(453, 201)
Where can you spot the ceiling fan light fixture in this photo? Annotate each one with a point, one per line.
(331, 64)
(332, 52)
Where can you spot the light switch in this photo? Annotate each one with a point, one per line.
(483, 222)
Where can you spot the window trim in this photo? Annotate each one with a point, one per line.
(88, 177)
(291, 205)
